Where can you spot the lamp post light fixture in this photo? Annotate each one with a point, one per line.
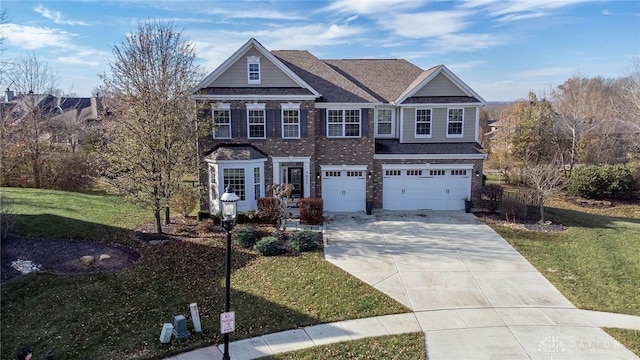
(228, 210)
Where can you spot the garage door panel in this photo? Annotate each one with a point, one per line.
(344, 190)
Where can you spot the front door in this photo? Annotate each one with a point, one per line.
(294, 175)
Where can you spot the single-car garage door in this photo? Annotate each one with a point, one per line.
(344, 190)
(435, 189)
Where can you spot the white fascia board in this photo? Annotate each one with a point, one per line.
(342, 167)
(242, 163)
(266, 53)
(426, 166)
(429, 156)
(440, 105)
(301, 159)
(253, 97)
(451, 76)
(346, 105)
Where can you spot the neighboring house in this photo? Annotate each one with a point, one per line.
(68, 119)
(349, 131)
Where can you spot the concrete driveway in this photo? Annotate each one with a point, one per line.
(473, 295)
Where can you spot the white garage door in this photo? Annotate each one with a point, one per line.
(436, 189)
(344, 190)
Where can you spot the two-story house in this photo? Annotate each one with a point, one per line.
(349, 131)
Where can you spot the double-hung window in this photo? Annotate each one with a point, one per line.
(455, 121)
(343, 123)
(221, 115)
(235, 178)
(290, 121)
(253, 70)
(384, 122)
(423, 123)
(256, 122)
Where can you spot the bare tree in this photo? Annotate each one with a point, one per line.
(628, 96)
(586, 119)
(25, 127)
(153, 127)
(545, 179)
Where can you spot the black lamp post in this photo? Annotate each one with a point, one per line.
(228, 210)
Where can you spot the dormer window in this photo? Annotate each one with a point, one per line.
(253, 69)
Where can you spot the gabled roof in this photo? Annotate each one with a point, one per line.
(426, 76)
(236, 56)
(384, 79)
(235, 152)
(333, 85)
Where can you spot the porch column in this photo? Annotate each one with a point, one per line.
(276, 170)
(307, 178)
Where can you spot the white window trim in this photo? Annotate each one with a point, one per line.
(415, 121)
(344, 123)
(257, 107)
(393, 123)
(455, 136)
(247, 165)
(221, 107)
(251, 60)
(283, 108)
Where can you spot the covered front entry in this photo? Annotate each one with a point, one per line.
(344, 187)
(293, 170)
(425, 186)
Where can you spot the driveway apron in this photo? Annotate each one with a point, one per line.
(473, 295)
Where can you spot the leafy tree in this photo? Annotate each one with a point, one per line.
(152, 138)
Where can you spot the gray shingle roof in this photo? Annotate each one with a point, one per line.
(235, 152)
(394, 147)
(333, 86)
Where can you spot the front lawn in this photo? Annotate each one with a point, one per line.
(595, 263)
(120, 315)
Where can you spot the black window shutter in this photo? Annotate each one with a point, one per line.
(277, 121)
(239, 123)
(364, 116)
(304, 123)
(323, 121)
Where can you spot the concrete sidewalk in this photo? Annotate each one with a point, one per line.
(471, 293)
(435, 324)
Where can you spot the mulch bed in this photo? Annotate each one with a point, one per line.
(62, 256)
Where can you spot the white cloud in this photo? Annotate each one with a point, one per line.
(56, 16)
(33, 38)
(513, 10)
(254, 13)
(372, 7)
(463, 66)
(72, 60)
(425, 24)
(467, 42)
(306, 36)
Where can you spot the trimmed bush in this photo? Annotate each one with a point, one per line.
(491, 196)
(269, 210)
(268, 246)
(303, 241)
(588, 182)
(620, 179)
(513, 208)
(598, 182)
(311, 211)
(185, 200)
(247, 236)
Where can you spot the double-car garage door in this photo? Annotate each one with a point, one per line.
(420, 188)
(412, 187)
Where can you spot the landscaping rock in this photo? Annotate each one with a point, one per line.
(87, 260)
(105, 257)
(154, 242)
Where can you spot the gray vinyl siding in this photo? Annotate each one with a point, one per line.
(440, 86)
(438, 126)
(236, 74)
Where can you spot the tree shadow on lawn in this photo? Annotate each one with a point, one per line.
(583, 219)
(120, 315)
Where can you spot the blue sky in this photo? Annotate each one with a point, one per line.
(502, 49)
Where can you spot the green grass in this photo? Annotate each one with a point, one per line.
(405, 347)
(595, 262)
(120, 315)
